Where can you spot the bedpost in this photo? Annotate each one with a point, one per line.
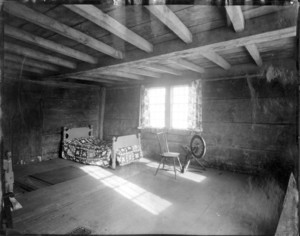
(139, 137)
(65, 129)
(113, 153)
(90, 130)
(140, 143)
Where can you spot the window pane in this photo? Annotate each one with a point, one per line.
(157, 98)
(179, 107)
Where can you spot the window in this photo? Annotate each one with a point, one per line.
(179, 107)
(172, 107)
(157, 107)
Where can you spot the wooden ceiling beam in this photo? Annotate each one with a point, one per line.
(105, 21)
(122, 74)
(13, 73)
(225, 45)
(215, 40)
(38, 55)
(139, 71)
(20, 74)
(47, 44)
(20, 67)
(30, 62)
(168, 17)
(160, 68)
(253, 51)
(236, 16)
(87, 78)
(262, 10)
(119, 79)
(21, 11)
(257, 31)
(217, 59)
(188, 65)
(97, 76)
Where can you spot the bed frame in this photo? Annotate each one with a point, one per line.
(117, 142)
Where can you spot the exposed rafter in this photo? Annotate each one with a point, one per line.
(139, 71)
(122, 74)
(263, 10)
(87, 78)
(161, 69)
(14, 76)
(20, 67)
(95, 75)
(253, 51)
(103, 20)
(257, 31)
(30, 62)
(166, 16)
(216, 58)
(236, 16)
(45, 43)
(188, 65)
(46, 22)
(38, 55)
(234, 41)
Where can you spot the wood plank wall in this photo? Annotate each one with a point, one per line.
(121, 112)
(249, 125)
(34, 116)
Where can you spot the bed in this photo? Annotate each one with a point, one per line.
(79, 144)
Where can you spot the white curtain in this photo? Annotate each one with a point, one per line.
(195, 106)
(144, 113)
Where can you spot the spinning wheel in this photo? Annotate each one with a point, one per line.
(197, 146)
(196, 150)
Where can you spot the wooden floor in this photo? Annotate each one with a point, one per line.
(131, 200)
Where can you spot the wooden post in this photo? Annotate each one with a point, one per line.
(140, 108)
(297, 161)
(168, 108)
(101, 111)
(1, 92)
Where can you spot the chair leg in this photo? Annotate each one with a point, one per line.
(174, 166)
(161, 160)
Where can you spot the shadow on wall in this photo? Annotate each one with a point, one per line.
(281, 165)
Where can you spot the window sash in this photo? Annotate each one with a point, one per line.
(194, 108)
(179, 108)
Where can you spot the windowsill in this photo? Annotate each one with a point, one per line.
(168, 130)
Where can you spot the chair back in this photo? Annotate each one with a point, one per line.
(163, 143)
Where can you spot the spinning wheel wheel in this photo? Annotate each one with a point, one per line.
(196, 150)
(197, 146)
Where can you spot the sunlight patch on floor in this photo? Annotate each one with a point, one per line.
(193, 176)
(196, 177)
(145, 199)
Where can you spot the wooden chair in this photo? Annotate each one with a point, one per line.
(165, 153)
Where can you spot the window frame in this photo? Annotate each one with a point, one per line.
(168, 95)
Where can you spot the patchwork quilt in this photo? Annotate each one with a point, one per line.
(128, 154)
(91, 151)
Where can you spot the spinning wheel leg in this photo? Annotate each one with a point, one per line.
(201, 164)
(187, 163)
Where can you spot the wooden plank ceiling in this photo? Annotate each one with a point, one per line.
(116, 45)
